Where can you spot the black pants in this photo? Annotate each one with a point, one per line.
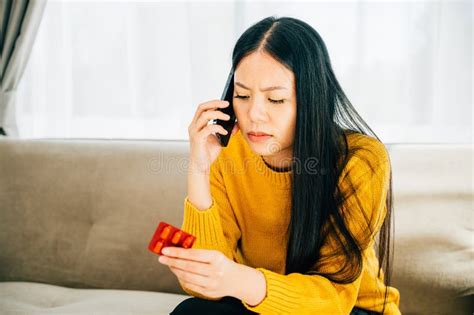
(228, 306)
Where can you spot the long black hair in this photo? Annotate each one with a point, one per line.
(325, 117)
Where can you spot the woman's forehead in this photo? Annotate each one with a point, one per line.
(259, 71)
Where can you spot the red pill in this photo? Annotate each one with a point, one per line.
(176, 237)
(166, 232)
(188, 242)
(158, 247)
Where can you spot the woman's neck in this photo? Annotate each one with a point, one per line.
(280, 163)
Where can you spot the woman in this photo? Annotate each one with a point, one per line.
(286, 216)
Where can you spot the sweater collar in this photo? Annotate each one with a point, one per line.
(281, 179)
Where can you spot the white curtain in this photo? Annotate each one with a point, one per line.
(132, 69)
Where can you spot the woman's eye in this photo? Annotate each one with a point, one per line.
(276, 101)
(241, 96)
(273, 101)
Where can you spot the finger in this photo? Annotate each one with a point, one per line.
(201, 255)
(210, 129)
(209, 105)
(195, 288)
(204, 119)
(191, 278)
(196, 267)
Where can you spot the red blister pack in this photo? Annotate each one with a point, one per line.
(168, 235)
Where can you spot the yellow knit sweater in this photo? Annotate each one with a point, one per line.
(251, 211)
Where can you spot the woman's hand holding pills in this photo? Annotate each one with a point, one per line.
(207, 272)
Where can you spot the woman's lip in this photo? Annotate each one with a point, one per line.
(255, 138)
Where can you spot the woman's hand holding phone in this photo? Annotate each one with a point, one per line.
(204, 149)
(205, 146)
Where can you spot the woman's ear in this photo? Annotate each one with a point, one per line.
(235, 129)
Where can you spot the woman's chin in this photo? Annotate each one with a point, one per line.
(265, 148)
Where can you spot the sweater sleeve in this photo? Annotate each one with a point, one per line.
(216, 227)
(298, 293)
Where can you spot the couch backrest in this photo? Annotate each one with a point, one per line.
(80, 213)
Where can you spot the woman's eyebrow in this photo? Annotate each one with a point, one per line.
(270, 88)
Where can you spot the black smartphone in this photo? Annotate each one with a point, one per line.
(228, 125)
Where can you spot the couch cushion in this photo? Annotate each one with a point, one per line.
(81, 213)
(37, 298)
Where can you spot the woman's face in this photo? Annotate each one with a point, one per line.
(262, 110)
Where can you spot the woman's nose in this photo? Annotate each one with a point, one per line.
(257, 112)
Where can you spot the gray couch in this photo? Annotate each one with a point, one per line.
(76, 217)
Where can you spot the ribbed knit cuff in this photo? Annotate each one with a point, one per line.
(205, 225)
(279, 298)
